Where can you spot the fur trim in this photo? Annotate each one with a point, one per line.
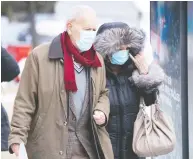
(110, 40)
(136, 38)
(150, 81)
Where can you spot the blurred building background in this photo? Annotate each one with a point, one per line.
(36, 22)
(26, 24)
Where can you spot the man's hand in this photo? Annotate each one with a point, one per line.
(99, 117)
(15, 149)
(140, 63)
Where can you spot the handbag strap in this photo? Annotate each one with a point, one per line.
(142, 105)
(142, 101)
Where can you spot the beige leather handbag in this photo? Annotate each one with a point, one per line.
(154, 134)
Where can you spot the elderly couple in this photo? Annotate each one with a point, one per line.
(78, 97)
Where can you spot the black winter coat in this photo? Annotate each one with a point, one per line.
(9, 70)
(124, 106)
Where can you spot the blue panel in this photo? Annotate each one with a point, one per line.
(166, 43)
(190, 76)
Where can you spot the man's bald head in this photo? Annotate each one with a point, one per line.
(81, 18)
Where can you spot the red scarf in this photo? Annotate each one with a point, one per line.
(87, 58)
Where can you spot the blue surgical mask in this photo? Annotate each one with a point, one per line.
(120, 57)
(86, 40)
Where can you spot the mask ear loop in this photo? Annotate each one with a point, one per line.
(128, 49)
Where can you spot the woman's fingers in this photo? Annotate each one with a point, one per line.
(140, 63)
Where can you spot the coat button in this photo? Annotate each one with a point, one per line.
(62, 60)
(63, 91)
(65, 123)
(61, 152)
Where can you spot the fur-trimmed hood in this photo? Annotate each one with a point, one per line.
(111, 36)
(109, 39)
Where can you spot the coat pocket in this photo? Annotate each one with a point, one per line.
(36, 131)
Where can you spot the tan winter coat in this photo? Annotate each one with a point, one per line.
(40, 109)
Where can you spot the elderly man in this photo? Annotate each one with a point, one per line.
(62, 108)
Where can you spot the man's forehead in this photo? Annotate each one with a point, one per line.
(89, 21)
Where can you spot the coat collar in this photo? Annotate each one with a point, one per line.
(55, 50)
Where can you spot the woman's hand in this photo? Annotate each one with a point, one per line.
(140, 63)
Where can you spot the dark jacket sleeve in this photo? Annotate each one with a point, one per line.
(5, 129)
(9, 66)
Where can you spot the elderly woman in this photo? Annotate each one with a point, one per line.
(116, 42)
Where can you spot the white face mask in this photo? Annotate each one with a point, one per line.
(86, 40)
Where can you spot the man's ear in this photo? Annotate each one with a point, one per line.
(68, 27)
